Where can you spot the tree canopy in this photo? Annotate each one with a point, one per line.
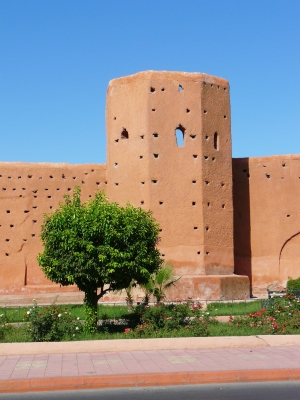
(99, 246)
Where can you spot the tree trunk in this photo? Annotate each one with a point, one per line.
(91, 311)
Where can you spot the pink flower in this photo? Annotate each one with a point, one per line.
(127, 330)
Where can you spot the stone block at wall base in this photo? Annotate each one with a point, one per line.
(211, 287)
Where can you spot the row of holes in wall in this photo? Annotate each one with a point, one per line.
(267, 175)
(154, 181)
(179, 134)
(180, 88)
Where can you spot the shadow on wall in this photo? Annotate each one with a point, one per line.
(241, 217)
(289, 258)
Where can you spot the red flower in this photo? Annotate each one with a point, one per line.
(127, 330)
(165, 317)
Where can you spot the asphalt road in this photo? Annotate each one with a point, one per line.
(237, 391)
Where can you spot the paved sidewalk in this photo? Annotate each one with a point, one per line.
(103, 369)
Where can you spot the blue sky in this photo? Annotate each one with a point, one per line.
(57, 57)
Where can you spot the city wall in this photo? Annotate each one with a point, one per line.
(27, 191)
(222, 220)
(266, 193)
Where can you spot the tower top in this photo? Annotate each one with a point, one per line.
(170, 75)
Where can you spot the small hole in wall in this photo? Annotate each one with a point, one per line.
(49, 197)
(162, 89)
(86, 173)
(83, 182)
(141, 157)
(283, 164)
(195, 227)
(206, 228)
(3, 188)
(50, 207)
(216, 141)
(282, 177)
(63, 176)
(57, 188)
(155, 155)
(194, 182)
(74, 177)
(34, 191)
(6, 254)
(24, 240)
(46, 189)
(152, 90)
(225, 89)
(105, 182)
(34, 206)
(195, 155)
(116, 183)
(7, 240)
(22, 196)
(161, 202)
(160, 230)
(51, 177)
(35, 196)
(8, 211)
(153, 109)
(218, 86)
(192, 136)
(115, 118)
(207, 253)
(188, 110)
(208, 204)
(143, 183)
(40, 178)
(92, 170)
(142, 202)
(193, 203)
(154, 181)
(222, 184)
(14, 188)
(124, 134)
(90, 195)
(206, 137)
(206, 182)
(288, 215)
(225, 116)
(29, 176)
(69, 189)
(23, 188)
(11, 226)
(97, 183)
(162, 255)
(26, 211)
(116, 140)
(205, 112)
(223, 205)
(33, 234)
(34, 221)
(213, 158)
(205, 157)
(19, 177)
(155, 134)
(198, 252)
(180, 88)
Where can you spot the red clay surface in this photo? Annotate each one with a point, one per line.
(43, 372)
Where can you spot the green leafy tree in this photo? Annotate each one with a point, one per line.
(99, 246)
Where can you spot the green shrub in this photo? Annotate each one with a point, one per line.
(51, 324)
(166, 320)
(293, 284)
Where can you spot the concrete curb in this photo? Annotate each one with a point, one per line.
(190, 343)
(141, 380)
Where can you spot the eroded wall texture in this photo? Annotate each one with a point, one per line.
(266, 197)
(27, 191)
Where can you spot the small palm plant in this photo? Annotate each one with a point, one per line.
(160, 282)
